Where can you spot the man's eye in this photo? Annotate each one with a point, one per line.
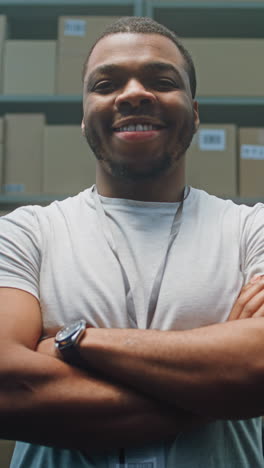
(103, 86)
(165, 83)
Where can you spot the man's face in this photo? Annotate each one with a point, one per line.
(139, 116)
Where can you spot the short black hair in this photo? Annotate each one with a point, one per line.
(145, 25)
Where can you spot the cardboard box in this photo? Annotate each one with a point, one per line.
(29, 67)
(3, 29)
(23, 161)
(6, 451)
(228, 67)
(1, 130)
(251, 178)
(1, 151)
(69, 164)
(76, 36)
(1, 165)
(211, 160)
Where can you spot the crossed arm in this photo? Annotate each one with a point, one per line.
(139, 386)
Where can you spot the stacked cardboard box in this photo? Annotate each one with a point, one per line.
(29, 67)
(76, 36)
(228, 67)
(1, 150)
(2, 43)
(56, 159)
(211, 161)
(69, 164)
(23, 159)
(6, 451)
(251, 180)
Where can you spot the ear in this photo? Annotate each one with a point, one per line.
(83, 128)
(196, 115)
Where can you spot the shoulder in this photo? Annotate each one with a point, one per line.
(225, 216)
(34, 222)
(211, 204)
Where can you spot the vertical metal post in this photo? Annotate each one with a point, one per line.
(149, 8)
(138, 8)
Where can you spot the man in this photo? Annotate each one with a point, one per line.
(166, 366)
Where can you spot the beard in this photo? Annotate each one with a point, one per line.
(154, 169)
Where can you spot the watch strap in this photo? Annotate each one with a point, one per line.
(71, 355)
(67, 347)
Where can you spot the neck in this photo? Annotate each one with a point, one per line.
(167, 188)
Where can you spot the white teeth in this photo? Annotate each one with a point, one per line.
(137, 128)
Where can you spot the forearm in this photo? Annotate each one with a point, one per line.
(39, 393)
(216, 370)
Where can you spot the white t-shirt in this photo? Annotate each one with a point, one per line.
(60, 255)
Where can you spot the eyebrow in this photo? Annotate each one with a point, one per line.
(109, 69)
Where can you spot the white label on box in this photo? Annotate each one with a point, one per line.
(9, 188)
(252, 152)
(212, 139)
(74, 27)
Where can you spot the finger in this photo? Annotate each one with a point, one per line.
(246, 294)
(253, 305)
(251, 283)
(260, 312)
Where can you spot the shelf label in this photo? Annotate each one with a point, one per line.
(252, 152)
(212, 139)
(13, 188)
(74, 27)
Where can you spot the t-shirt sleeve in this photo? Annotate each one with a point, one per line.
(253, 243)
(20, 255)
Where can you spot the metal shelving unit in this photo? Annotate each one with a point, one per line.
(38, 19)
(10, 202)
(47, 8)
(243, 111)
(217, 19)
(65, 109)
(28, 19)
(209, 19)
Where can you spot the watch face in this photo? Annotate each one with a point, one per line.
(69, 330)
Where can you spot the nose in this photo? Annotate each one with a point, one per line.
(134, 94)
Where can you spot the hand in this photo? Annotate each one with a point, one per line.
(250, 302)
(46, 346)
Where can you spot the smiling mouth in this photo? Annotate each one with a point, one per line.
(138, 128)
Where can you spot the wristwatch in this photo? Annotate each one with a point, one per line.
(67, 340)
